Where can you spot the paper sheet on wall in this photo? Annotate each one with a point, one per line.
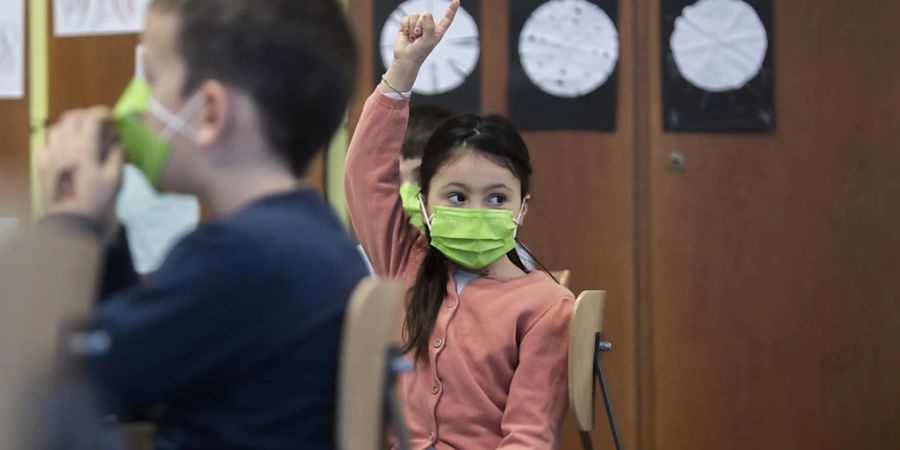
(154, 222)
(97, 17)
(718, 65)
(12, 48)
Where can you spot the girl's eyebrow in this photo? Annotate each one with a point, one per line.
(456, 185)
(498, 186)
(488, 188)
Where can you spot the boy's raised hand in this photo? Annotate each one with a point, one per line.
(418, 36)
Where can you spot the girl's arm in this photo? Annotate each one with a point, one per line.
(372, 172)
(372, 185)
(538, 394)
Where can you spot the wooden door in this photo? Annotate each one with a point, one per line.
(770, 268)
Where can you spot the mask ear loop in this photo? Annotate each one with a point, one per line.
(518, 219)
(424, 212)
(176, 122)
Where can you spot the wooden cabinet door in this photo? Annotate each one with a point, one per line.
(770, 267)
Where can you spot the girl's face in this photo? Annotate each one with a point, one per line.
(471, 180)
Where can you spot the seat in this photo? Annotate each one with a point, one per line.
(368, 353)
(586, 345)
(48, 282)
(587, 321)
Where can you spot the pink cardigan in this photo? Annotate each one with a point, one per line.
(495, 374)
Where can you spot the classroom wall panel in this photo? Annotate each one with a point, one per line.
(770, 263)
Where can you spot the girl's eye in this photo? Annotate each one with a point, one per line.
(497, 200)
(457, 198)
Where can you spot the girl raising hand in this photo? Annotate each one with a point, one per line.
(490, 339)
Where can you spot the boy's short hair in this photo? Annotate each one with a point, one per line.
(423, 120)
(295, 58)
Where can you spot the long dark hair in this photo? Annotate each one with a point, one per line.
(494, 137)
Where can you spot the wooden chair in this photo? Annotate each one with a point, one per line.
(562, 276)
(367, 365)
(47, 282)
(586, 345)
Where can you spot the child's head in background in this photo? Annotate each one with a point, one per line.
(423, 120)
(245, 87)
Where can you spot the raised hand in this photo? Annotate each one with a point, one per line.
(417, 38)
(80, 168)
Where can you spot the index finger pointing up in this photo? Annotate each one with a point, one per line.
(448, 17)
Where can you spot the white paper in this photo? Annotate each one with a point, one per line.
(12, 49)
(452, 61)
(719, 45)
(97, 17)
(154, 222)
(569, 48)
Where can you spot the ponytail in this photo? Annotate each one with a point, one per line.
(425, 299)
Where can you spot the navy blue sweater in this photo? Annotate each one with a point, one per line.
(237, 334)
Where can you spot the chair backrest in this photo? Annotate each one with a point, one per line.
(47, 282)
(370, 328)
(587, 321)
(562, 276)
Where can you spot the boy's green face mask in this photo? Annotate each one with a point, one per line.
(145, 148)
(471, 237)
(409, 195)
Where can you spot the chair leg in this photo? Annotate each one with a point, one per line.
(586, 442)
(395, 366)
(395, 415)
(600, 347)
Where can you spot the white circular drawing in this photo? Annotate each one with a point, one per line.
(569, 48)
(719, 45)
(452, 61)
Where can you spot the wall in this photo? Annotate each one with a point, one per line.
(769, 286)
(754, 298)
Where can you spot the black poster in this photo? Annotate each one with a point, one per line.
(563, 72)
(450, 77)
(717, 70)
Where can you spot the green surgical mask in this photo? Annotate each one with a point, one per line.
(147, 149)
(473, 238)
(409, 195)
